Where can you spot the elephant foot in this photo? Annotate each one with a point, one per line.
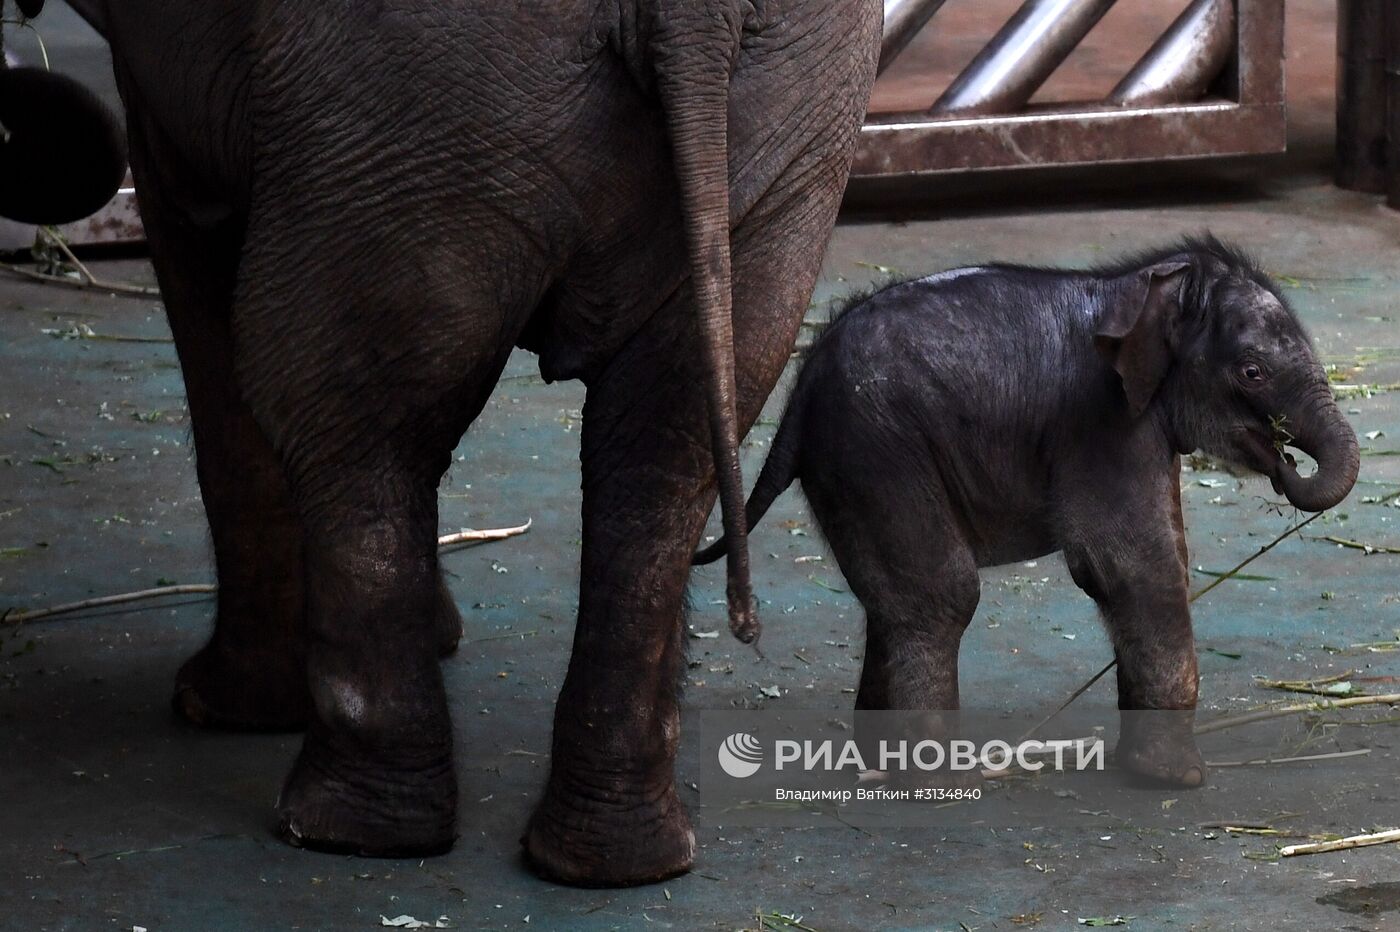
(449, 621)
(1158, 749)
(263, 692)
(580, 843)
(334, 804)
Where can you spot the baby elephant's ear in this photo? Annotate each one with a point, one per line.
(1137, 335)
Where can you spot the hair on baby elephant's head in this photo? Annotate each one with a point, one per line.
(1203, 335)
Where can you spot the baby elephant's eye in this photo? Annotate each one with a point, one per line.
(1252, 372)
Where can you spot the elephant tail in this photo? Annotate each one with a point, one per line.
(693, 51)
(779, 471)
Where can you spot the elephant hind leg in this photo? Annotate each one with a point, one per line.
(895, 539)
(251, 673)
(374, 775)
(610, 815)
(365, 395)
(905, 558)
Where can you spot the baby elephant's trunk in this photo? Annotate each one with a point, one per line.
(1323, 432)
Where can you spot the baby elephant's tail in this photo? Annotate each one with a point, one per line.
(778, 473)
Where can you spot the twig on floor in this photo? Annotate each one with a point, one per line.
(503, 637)
(1256, 761)
(470, 536)
(1338, 685)
(1358, 545)
(1322, 705)
(1342, 844)
(1378, 646)
(1257, 554)
(457, 539)
(19, 618)
(81, 331)
(1083, 688)
(86, 279)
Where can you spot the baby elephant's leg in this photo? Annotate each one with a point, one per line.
(905, 557)
(917, 580)
(914, 620)
(915, 616)
(1139, 582)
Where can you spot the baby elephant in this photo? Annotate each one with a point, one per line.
(996, 414)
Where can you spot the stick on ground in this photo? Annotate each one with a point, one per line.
(1257, 761)
(470, 536)
(1322, 705)
(19, 618)
(1342, 844)
(86, 279)
(457, 539)
(1360, 545)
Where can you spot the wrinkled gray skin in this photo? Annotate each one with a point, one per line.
(991, 415)
(355, 211)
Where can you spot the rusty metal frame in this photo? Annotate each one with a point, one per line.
(1245, 116)
(117, 223)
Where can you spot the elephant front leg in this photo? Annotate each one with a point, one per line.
(1157, 709)
(1142, 593)
(1157, 675)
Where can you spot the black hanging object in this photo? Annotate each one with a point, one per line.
(30, 8)
(62, 153)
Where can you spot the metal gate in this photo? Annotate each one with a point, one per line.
(1211, 85)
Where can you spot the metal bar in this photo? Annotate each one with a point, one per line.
(1091, 136)
(1182, 63)
(1019, 59)
(1256, 72)
(903, 20)
(1361, 96)
(1392, 119)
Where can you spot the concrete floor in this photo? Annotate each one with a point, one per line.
(113, 815)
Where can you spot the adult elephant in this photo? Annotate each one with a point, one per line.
(355, 210)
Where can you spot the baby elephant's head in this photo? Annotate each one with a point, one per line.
(1207, 341)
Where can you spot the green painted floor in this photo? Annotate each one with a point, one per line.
(114, 815)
